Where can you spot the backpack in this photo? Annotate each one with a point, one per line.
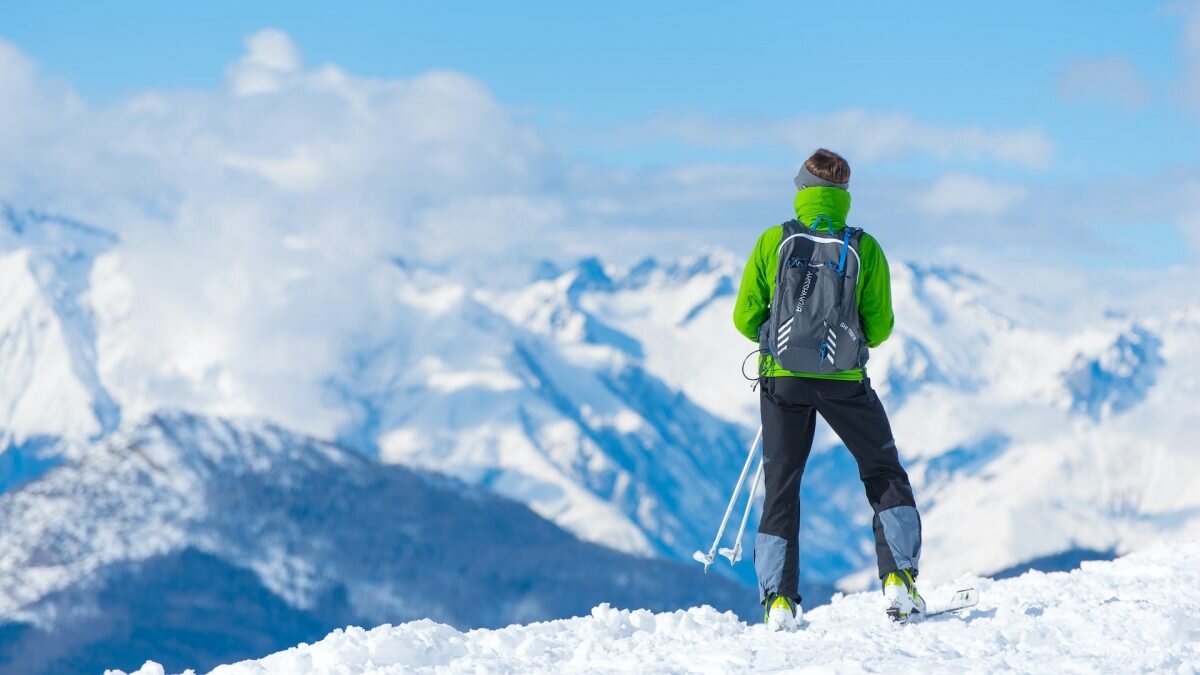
(814, 326)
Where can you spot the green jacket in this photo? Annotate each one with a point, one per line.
(873, 290)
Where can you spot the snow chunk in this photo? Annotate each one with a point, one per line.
(149, 668)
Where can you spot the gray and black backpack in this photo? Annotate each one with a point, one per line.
(814, 326)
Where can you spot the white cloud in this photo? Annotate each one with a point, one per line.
(1109, 80)
(488, 222)
(964, 194)
(250, 213)
(1070, 225)
(271, 58)
(868, 136)
(30, 102)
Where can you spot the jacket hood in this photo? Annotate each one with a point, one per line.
(830, 202)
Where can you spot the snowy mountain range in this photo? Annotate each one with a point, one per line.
(551, 408)
(608, 400)
(257, 538)
(1002, 413)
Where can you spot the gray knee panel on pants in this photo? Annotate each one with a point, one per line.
(770, 558)
(902, 531)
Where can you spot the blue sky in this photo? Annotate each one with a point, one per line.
(1099, 94)
(582, 69)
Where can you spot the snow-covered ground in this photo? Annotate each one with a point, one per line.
(1140, 613)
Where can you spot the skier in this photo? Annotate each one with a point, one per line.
(816, 294)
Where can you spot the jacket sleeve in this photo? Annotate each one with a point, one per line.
(875, 293)
(754, 294)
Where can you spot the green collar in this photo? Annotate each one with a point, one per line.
(830, 202)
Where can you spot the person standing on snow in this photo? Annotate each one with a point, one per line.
(816, 294)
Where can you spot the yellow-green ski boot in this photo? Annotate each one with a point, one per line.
(782, 614)
(905, 603)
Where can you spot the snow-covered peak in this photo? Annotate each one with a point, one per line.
(1116, 377)
(593, 274)
(181, 444)
(49, 386)
(670, 317)
(945, 318)
(589, 275)
(953, 297)
(653, 271)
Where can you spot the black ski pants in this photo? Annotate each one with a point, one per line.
(789, 408)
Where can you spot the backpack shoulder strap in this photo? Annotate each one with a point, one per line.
(850, 241)
(841, 267)
(789, 228)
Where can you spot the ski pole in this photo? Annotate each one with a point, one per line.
(707, 560)
(735, 554)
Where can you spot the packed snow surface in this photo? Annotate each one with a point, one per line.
(1136, 614)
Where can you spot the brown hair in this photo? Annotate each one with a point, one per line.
(828, 165)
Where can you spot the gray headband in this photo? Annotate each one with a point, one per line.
(805, 179)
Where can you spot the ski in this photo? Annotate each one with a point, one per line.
(962, 599)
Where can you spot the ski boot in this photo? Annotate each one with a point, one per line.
(906, 604)
(782, 614)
